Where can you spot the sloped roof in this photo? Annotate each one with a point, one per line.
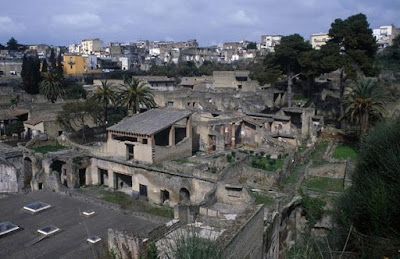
(151, 122)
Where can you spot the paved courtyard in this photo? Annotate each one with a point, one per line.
(66, 214)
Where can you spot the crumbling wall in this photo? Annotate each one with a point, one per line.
(182, 149)
(8, 177)
(248, 242)
(124, 245)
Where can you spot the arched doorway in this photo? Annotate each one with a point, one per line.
(59, 167)
(27, 173)
(184, 196)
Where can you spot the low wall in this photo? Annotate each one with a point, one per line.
(248, 241)
(336, 171)
(182, 149)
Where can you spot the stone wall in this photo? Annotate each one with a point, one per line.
(337, 171)
(248, 241)
(125, 246)
(182, 149)
(154, 179)
(8, 177)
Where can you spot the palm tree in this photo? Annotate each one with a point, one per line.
(135, 93)
(51, 86)
(105, 94)
(363, 100)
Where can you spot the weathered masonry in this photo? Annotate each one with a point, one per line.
(153, 136)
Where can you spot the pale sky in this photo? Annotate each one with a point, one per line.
(209, 21)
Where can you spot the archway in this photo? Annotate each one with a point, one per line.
(184, 196)
(28, 173)
(59, 167)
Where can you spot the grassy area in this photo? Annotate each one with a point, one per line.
(299, 97)
(262, 198)
(182, 160)
(325, 184)
(293, 175)
(345, 152)
(266, 163)
(126, 202)
(49, 148)
(317, 154)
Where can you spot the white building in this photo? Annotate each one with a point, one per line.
(125, 63)
(269, 42)
(91, 46)
(385, 34)
(74, 48)
(318, 40)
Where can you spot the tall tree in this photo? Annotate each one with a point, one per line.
(52, 59)
(363, 100)
(31, 74)
(75, 115)
(12, 44)
(44, 66)
(51, 86)
(59, 69)
(105, 94)
(287, 55)
(268, 71)
(351, 49)
(135, 93)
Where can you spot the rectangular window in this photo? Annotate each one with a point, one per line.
(142, 190)
(129, 152)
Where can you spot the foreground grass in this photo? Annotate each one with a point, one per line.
(49, 148)
(345, 152)
(126, 202)
(325, 184)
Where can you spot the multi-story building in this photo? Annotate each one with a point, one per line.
(268, 42)
(90, 46)
(318, 40)
(10, 68)
(385, 34)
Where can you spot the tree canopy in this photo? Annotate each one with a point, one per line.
(12, 44)
(30, 74)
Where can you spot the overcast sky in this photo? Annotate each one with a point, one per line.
(209, 21)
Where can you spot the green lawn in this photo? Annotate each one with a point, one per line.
(345, 152)
(325, 184)
(265, 163)
(49, 148)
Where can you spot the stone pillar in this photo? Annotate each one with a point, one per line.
(172, 136)
(151, 141)
(189, 127)
(233, 140)
(112, 180)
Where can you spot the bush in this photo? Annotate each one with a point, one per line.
(313, 208)
(371, 204)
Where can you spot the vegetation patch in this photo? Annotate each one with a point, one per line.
(313, 208)
(345, 152)
(325, 184)
(262, 198)
(126, 202)
(49, 148)
(317, 154)
(266, 163)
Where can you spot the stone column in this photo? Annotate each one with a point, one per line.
(233, 140)
(189, 127)
(172, 136)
